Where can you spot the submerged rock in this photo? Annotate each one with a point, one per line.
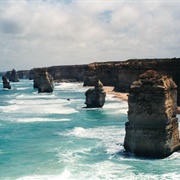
(6, 83)
(43, 81)
(152, 129)
(95, 97)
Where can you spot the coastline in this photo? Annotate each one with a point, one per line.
(123, 96)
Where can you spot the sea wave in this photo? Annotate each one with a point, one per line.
(28, 120)
(65, 175)
(35, 107)
(111, 137)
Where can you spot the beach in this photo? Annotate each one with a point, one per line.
(109, 90)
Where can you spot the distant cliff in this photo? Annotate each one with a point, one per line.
(122, 74)
(71, 73)
(22, 74)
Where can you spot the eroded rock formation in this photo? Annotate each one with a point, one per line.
(152, 129)
(6, 83)
(43, 81)
(12, 76)
(95, 97)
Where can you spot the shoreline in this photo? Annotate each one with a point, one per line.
(109, 90)
(123, 96)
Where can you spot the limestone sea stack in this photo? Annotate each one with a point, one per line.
(14, 76)
(43, 81)
(95, 97)
(6, 83)
(152, 129)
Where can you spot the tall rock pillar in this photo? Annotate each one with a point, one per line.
(43, 81)
(6, 83)
(152, 129)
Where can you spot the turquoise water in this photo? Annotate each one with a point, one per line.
(44, 137)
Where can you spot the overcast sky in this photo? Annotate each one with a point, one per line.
(39, 33)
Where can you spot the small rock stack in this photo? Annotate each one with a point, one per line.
(95, 97)
(152, 129)
(12, 76)
(43, 81)
(6, 83)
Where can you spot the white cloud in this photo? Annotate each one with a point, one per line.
(44, 33)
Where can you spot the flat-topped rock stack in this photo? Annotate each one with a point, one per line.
(95, 97)
(43, 81)
(152, 129)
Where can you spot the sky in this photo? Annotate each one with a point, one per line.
(43, 33)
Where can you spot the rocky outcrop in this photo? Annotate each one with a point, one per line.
(95, 97)
(6, 83)
(43, 81)
(23, 74)
(152, 129)
(12, 76)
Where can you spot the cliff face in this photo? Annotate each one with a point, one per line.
(71, 73)
(74, 73)
(122, 74)
(106, 72)
(152, 129)
(119, 74)
(23, 74)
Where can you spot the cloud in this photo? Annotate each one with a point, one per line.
(50, 32)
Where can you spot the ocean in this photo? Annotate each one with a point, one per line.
(47, 137)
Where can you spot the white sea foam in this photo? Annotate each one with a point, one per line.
(72, 156)
(21, 88)
(9, 109)
(27, 120)
(36, 95)
(38, 107)
(175, 155)
(75, 87)
(65, 175)
(169, 176)
(110, 136)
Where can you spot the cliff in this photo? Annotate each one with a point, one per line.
(122, 74)
(22, 74)
(71, 73)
